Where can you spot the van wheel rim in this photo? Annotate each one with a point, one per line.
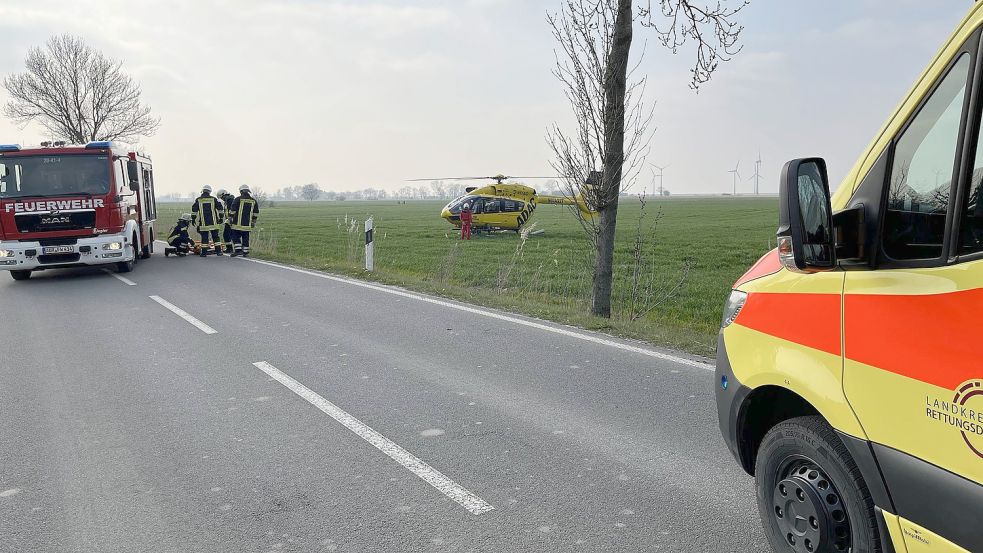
(809, 510)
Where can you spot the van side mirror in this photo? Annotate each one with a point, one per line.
(806, 241)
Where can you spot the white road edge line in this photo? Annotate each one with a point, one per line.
(556, 330)
(120, 278)
(474, 504)
(184, 315)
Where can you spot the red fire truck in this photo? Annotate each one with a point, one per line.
(70, 206)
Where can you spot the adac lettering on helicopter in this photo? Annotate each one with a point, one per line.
(52, 205)
(526, 212)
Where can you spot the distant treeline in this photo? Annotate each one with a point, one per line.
(435, 190)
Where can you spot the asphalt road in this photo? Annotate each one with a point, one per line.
(290, 411)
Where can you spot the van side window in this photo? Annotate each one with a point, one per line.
(922, 172)
(971, 225)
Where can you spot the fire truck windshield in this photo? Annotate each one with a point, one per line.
(56, 175)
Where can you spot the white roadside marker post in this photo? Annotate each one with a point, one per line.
(369, 247)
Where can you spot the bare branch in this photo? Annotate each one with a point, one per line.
(712, 27)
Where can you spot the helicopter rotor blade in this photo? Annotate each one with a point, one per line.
(496, 177)
(449, 178)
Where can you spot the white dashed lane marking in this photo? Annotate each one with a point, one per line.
(184, 315)
(120, 278)
(474, 504)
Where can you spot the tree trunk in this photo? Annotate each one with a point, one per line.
(604, 262)
(615, 88)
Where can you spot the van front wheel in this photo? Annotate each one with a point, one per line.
(811, 495)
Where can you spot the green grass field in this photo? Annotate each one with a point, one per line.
(547, 275)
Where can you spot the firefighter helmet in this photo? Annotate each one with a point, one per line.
(185, 217)
(206, 188)
(244, 188)
(221, 192)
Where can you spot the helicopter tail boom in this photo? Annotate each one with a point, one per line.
(577, 200)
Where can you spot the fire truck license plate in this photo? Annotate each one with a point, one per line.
(57, 249)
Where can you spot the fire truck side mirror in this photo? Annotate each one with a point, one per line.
(806, 241)
(134, 175)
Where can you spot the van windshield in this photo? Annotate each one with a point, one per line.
(56, 175)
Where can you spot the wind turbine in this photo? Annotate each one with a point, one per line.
(757, 175)
(737, 175)
(661, 171)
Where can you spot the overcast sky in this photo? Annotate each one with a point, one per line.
(366, 93)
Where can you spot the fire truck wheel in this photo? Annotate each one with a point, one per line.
(811, 495)
(20, 275)
(127, 266)
(148, 248)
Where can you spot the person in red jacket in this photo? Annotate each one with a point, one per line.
(466, 218)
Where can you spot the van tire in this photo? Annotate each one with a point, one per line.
(810, 488)
(20, 275)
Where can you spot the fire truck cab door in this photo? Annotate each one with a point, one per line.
(141, 184)
(913, 368)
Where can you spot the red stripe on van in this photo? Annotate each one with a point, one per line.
(812, 320)
(767, 265)
(937, 338)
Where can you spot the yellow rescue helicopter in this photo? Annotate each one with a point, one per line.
(504, 205)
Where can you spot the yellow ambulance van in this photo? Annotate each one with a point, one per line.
(850, 359)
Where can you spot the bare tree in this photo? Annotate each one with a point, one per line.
(77, 94)
(602, 157)
(262, 198)
(310, 192)
(439, 188)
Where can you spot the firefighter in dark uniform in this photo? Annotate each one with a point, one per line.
(243, 215)
(227, 199)
(208, 214)
(179, 242)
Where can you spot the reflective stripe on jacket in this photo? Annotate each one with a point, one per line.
(244, 213)
(178, 234)
(208, 212)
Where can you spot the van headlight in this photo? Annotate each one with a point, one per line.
(6, 253)
(733, 307)
(113, 246)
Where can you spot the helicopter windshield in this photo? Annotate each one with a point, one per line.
(455, 206)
